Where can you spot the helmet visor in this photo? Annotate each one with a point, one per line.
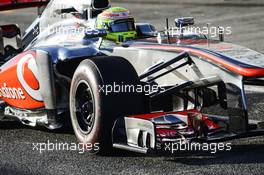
(122, 26)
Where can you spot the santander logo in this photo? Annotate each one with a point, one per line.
(27, 67)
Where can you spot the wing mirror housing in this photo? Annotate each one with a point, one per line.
(145, 30)
(91, 4)
(10, 31)
(184, 21)
(100, 5)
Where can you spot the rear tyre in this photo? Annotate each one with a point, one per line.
(93, 111)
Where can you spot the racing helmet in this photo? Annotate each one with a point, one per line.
(119, 24)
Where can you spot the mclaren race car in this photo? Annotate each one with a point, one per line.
(136, 91)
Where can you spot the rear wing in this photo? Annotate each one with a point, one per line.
(18, 4)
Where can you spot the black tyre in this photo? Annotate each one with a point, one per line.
(93, 112)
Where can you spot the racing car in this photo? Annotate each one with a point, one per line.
(124, 84)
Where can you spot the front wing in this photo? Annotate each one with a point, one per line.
(149, 133)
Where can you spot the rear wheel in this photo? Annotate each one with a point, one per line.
(93, 111)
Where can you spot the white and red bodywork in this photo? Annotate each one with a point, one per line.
(19, 84)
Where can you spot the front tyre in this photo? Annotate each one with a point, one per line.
(93, 111)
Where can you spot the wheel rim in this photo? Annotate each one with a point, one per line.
(84, 105)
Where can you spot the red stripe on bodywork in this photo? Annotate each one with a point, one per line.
(247, 72)
(149, 116)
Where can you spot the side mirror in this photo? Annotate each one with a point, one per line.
(100, 5)
(93, 5)
(145, 29)
(184, 21)
(11, 31)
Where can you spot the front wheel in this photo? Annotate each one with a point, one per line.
(93, 111)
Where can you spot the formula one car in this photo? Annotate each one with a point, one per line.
(138, 92)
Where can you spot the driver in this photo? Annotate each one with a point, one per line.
(119, 23)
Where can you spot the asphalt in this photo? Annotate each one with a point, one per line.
(17, 153)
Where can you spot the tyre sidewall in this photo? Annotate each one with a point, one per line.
(87, 72)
